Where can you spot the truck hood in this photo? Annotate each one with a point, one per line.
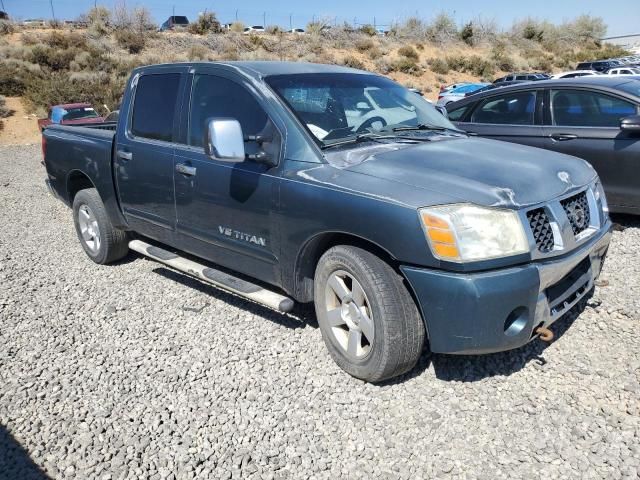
(480, 171)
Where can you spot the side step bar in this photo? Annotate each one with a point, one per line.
(217, 278)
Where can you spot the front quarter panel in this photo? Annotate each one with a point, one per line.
(316, 199)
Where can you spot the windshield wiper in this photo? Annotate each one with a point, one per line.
(425, 126)
(361, 137)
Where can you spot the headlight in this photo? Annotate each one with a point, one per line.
(466, 233)
(598, 192)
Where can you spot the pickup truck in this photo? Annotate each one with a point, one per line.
(251, 176)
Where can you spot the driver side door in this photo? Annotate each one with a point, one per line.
(227, 212)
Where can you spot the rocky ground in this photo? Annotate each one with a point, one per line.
(135, 371)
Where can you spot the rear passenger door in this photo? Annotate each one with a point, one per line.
(585, 123)
(226, 212)
(144, 152)
(511, 116)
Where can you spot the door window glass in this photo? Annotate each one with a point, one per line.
(588, 109)
(154, 106)
(515, 108)
(218, 97)
(458, 113)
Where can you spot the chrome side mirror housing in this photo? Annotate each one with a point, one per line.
(630, 124)
(224, 140)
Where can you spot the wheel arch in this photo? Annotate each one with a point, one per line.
(316, 246)
(76, 181)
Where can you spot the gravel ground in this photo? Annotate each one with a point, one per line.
(135, 371)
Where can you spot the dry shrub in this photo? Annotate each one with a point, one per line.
(364, 44)
(52, 58)
(375, 53)
(131, 41)
(439, 65)
(65, 40)
(406, 65)
(7, 27)
(206, 23)
(5, 111)
(409, 52)
(353, 62)
(198, 52)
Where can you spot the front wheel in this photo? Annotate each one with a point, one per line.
(369, 321)
(100, 240)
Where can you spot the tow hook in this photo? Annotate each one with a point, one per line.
(546, 335)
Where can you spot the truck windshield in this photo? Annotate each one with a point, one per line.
(337, 106)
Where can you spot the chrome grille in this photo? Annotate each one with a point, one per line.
(541, 229)
(577, 210)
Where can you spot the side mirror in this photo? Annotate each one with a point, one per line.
(362, 106)
(442, 110)
(224, 140)
(630, 124)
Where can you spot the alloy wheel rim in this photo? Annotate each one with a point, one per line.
(89, 228)
(349, 314)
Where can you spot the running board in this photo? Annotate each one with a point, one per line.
(217, 278)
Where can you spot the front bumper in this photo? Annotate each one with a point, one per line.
(501, 309)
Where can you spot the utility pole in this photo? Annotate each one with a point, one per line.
(264, 19)
(374, 23)
(173, 14)
(290, 21)
(2, 3)
(53, 14)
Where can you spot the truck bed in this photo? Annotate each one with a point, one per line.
(77, 154)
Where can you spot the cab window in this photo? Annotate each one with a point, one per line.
(154, 106)
(582, 108)
(517, 108)
(219, 97)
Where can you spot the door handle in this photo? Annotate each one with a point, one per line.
(563, 137)
(185, 169)
(126, 156)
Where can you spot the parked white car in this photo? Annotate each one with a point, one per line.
(624, 71)
(297, 31)
(253, 29)
(575, 73)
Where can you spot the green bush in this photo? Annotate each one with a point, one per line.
(409, 52)
(206, 23)
(13, 79)
(466, 34)
(438, 65)
(52, 58)
(406, 65)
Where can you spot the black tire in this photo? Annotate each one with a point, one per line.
(113, 243)
(399, 329)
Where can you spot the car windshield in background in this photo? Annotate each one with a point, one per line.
(79, 113)
(469, 88)
(338, 106)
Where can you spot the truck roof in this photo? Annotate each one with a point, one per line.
(267, 68)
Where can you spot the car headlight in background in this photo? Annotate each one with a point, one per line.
(598, 192)
(467, 233)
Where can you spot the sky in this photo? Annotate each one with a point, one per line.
(621, 16)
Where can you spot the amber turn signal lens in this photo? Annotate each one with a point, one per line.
(441, 236)
(433, 221)
(445, 251)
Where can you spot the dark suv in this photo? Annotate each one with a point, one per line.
(598, 66)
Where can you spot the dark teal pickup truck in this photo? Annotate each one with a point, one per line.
(293, 182)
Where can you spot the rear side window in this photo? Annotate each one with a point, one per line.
(154, 106)
(458, 113)
(579, 108)
(218, 97)
(515, 108)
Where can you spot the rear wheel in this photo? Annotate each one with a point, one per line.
(100, 240)
(369, 321)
